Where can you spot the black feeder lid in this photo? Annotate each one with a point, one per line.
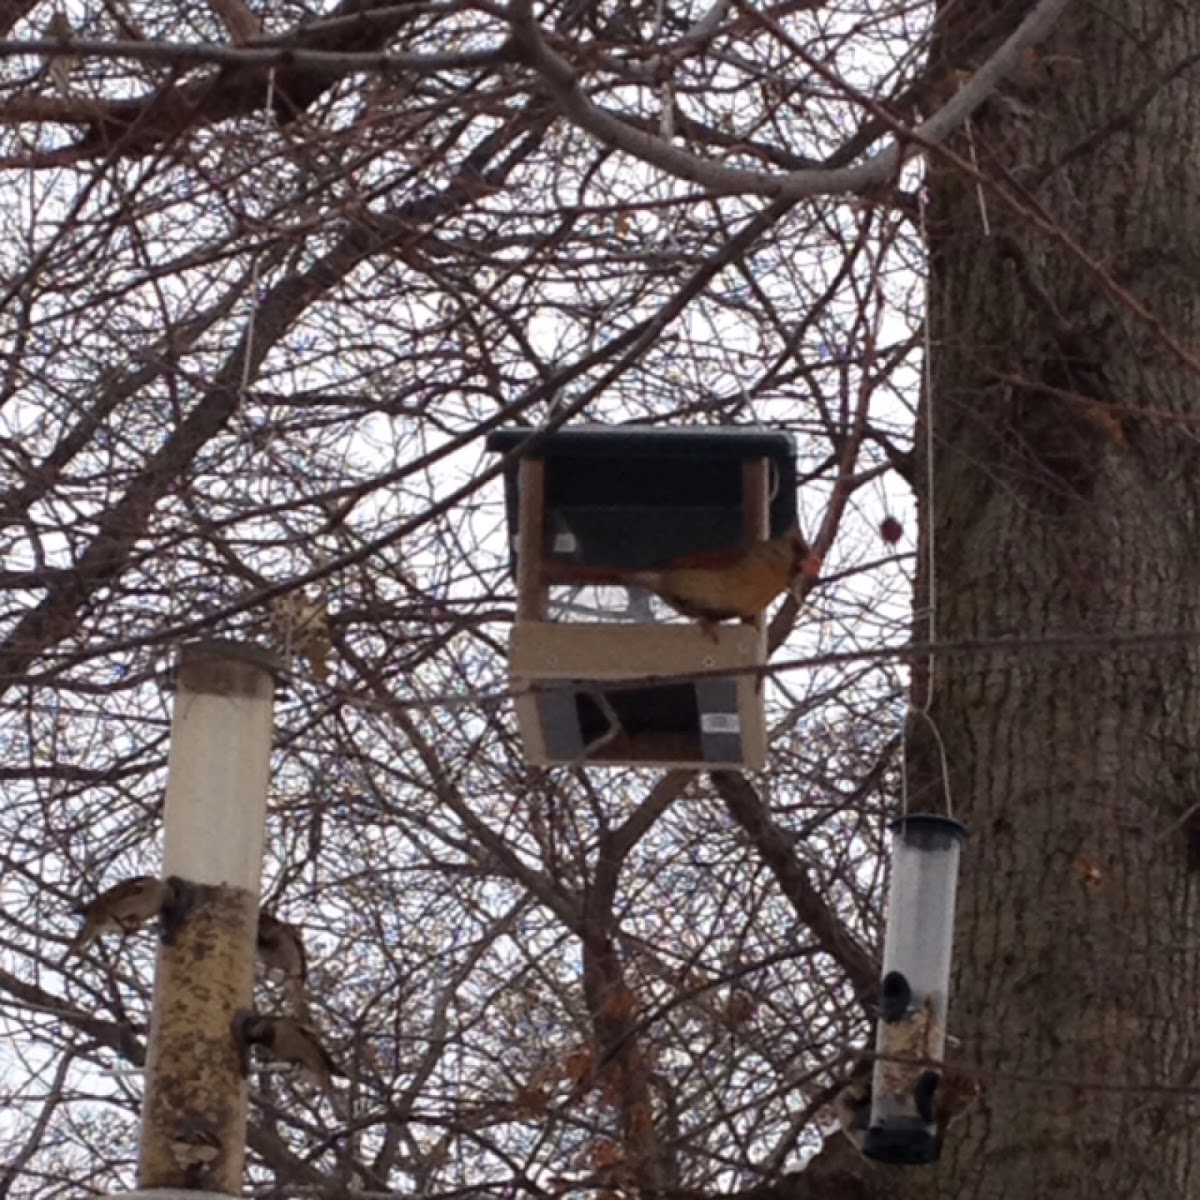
(930, 831)
(626, 496)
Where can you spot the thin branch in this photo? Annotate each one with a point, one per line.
(876, 172)
(779, 853)
(328, 65)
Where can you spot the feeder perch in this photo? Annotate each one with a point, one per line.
(627, 497)
(911, 1036)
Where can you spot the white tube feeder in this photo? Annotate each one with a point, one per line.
(218, 774)
(911, 1037)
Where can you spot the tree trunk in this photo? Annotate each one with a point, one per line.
(1062, 498)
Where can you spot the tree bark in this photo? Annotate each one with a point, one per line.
(1061, 498)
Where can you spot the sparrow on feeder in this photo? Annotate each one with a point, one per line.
(124, 907)
(284, 1039)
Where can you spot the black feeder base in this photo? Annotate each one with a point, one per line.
(902, 1143)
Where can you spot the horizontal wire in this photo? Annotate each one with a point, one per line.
(1065, 643)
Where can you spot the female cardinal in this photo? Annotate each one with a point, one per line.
(714, 585)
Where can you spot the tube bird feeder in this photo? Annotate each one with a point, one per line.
(585, 667)
(195, 1107)
(911, 1035)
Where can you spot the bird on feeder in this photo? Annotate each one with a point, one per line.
(941, 1098)
(852, 1105)
(195, 1146)
(61, 66)
(284, 1039)
(711, 586)
(280, 948)
(121, 908)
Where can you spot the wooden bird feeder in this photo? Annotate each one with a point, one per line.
(628, 497)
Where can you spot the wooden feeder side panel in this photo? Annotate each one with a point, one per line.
(531, 595)
(706, 723)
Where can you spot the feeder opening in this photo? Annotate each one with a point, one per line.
(662, 722)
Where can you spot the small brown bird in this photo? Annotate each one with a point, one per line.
(195, 1147)
(940, 1099)
(951, 1092)
(284, 1039)
(122, 908)
(179, 899)
(714, 585)
(852, 1105)
(61, 66)
(280, 947)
